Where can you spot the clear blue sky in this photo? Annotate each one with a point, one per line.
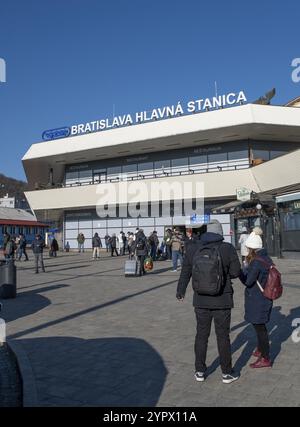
(69, 61)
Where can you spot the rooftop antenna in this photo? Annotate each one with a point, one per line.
(114, 107)
(216, 89)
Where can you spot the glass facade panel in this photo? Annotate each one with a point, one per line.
(143, 222)
(238, 155)
(162, 167)
(145, 168)
(114, 172)
(261, 154)
(198, 163)
(71, 234)
(130, 222)
(180, 165)
(85, 224)
(98, 223)
(71, 178)
(86, 176)
(276, 153)
(130, 170)
(71, 225)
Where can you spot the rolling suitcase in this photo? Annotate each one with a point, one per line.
(132, 268)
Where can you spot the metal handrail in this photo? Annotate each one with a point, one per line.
(139, 176)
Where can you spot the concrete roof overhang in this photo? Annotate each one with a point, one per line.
(268, 123)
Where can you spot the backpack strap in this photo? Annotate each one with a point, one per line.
(264, 262)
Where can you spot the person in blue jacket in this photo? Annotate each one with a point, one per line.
(257, 307)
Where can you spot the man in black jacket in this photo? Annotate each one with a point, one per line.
(37, 247)
(208, 307)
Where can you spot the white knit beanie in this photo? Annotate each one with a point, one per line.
(254, 241)
(257, 230)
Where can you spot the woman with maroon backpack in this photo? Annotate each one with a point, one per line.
(257, 307)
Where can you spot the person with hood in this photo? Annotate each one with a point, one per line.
(212, 263)
(141, 249)
(22, 247)
(54, 247)
(113, 244)
(257, 307)
(37, 248)
(154, 242)
(244, 236)
(96, 244)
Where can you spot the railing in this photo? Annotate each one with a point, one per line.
(142, 176)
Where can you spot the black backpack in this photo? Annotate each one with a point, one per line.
(207, 272)
(140, 244)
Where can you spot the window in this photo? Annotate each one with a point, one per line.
(261, 154)
(99, 175)
(145, 168)
(180, 165)
(238, 155)
(276, 153)
(217, 161)
(85, 177)
(162, 167)
(130, 170)
(198, 163)
(114, 172)
(71, 178)
(291, 220)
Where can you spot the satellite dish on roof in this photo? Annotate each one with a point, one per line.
(266, 99)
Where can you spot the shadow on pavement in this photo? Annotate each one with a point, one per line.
(19, 313)
(27, 303)
(280, 330)
(102, 372)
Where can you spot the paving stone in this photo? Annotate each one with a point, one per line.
(96, 338)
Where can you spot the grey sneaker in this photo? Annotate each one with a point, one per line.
(230, 378)
(199, 376)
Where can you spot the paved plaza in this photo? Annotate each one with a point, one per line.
(95, 338)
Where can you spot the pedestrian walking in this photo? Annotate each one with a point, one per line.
(97, 245)
(121, 243)
(107, 242)
(9, 247)
(80, 240)
(168, 242)
(113, 244)
(258, 308)
(177, 248)
(37, 248)
(54, 247)
(22, 247)
(242, 240)
(130, 242)
(211, 263)
(141, 249)
(154, 242)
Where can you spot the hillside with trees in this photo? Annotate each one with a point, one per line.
(12, 187)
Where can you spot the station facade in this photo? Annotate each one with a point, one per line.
(106, 181)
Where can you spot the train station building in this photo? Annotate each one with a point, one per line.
(118, 178)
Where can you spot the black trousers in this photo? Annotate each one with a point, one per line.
(114, 250)
(222, 319)
(141, 259)
(263, 344)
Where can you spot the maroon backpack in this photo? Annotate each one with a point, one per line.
(273, 289)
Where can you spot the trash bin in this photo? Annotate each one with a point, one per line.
(8, 279)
